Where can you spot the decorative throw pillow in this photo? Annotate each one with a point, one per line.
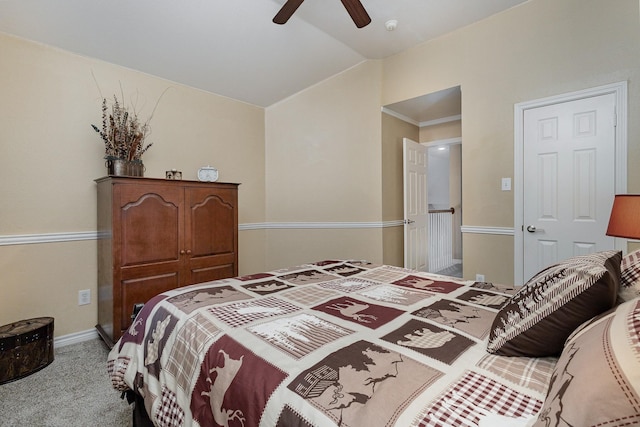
(596, 381)
(630, 276)
(537, 320)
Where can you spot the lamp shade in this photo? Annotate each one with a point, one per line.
(625, 217)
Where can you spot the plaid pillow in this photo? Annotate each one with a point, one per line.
(552, 304)
(630, 276)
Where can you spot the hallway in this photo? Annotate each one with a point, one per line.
(454, 271)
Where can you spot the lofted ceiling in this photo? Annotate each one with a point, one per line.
(231, 47)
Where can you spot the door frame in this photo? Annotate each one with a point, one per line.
(620, 91)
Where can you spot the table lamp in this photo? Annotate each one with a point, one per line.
(625, 217)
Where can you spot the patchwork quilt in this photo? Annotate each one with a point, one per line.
(331, 343)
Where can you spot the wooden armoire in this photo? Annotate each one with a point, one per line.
(157, 234)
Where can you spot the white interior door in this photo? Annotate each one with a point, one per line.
(569, 180)
(416, 207)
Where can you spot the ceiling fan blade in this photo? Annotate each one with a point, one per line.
(357, 12)
(286, 11)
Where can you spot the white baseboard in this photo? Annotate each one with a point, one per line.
(75, 338)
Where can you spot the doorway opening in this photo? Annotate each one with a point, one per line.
(435, 121)
(445, 206)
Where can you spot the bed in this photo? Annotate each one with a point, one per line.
(350, 343)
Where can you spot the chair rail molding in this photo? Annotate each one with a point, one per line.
(73, 236)
(474, 229)
(27, 239)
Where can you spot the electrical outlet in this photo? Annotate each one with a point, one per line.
(479, 277)
(84, 297)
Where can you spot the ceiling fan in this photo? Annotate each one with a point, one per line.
(354, 7)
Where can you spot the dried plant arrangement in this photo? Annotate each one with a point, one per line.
(122, 131)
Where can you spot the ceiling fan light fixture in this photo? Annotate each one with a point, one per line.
(391, 24)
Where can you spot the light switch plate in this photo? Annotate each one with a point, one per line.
(506, 184)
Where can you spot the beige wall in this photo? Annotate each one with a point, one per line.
(323, 163)
(446, 130)
(50, 157)
(538, 49)
(291, 247)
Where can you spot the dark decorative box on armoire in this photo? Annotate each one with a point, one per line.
(26, 346)
(157, 234)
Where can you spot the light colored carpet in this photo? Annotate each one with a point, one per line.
(74, 390)
(454, 271)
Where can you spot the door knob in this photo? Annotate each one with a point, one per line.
(531, 228)
(409, 221)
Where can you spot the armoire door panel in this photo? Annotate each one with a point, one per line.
(140, 290)
(212, 272)
(150, 233)
(212, 222)
(150, 226)
(148, 270)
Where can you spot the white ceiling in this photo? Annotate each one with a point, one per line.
(231, 47)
